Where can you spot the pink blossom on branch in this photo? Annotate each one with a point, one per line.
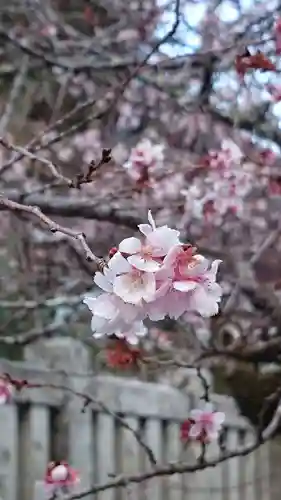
(155, 277)
(60, 477)
(203, 425)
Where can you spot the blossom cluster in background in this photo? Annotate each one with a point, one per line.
(223, 189)
(154, 277)
(224, 180)
(143, 161)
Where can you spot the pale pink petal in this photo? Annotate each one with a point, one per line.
(214, 290)
(145, 229)
(101, 281)
(184, 286)
(97, 324)
(202, 303)
(163, 289)
(105, 306)
(118, 264)
(130, 245)
(215, 266)
(139, 262)
(90, 302)
(163, 239)
(149, 286)
(130, 292)
(130, 312)
(156, 310)
(176, 304)
(172, 256)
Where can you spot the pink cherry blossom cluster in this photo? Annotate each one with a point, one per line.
(203, 426)
(144, 159)
(224, 189)
(154, 277)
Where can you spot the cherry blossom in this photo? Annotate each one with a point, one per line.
(207, 424)
(60, 477)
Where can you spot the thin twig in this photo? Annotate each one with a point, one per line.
(54, 227)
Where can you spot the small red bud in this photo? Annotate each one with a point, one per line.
(112, 251)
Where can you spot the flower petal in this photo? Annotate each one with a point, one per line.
(90, 302)
(130, 245)
(148, 265)
(101, 281)
(149, 286)
(118, 264)
(145, 229)
(131, 293)
(203, 303)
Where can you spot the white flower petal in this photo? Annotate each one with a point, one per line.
(142, 264)
(145, 229)
(127, 290)
(118, 264)
(130, 245)
(215, 266)
(204, 304)
(90, 302)
(101, 281)
(149, 286)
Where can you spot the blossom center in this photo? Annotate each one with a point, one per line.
(147, 252)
